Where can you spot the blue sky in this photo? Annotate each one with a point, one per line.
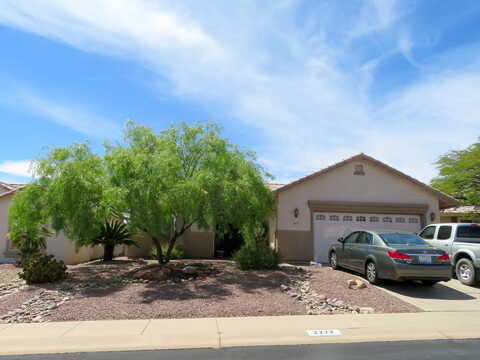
(303, 83)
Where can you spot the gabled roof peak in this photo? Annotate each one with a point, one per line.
(447, 199)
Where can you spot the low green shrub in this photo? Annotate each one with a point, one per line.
(256, 257)
(41, 268)
(177, 252)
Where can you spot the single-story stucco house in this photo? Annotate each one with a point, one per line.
(58, 245)
(357, 193)
(198, 243)
(311, 212)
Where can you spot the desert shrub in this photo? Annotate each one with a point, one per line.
(41, 268)
(177, 252)
(256, 257)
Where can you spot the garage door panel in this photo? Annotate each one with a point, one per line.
(328, 227)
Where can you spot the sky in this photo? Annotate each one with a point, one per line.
(302, 83)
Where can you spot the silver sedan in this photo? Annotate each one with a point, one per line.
(390, 255)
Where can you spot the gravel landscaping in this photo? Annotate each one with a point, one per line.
(8, 272)
(126, 289)
(333, 284)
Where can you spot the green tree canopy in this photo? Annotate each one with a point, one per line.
(159, 184)
(460, 174)
(71, 192)
(186, 175)
(27, 221)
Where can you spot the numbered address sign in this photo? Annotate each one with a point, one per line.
(324, 332)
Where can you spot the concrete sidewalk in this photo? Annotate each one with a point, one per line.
(121, 335)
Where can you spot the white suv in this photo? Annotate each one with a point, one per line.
(462, 242)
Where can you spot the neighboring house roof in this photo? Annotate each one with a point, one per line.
(274, 187)
(6, 188)
(447, 200)
(467, 209)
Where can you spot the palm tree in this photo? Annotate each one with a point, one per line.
(112, 233)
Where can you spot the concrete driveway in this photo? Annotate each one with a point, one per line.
(444, 296)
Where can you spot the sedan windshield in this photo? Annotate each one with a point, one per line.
(402, 239)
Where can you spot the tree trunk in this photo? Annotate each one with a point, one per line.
(171, 245)
(108, 252)
(158, 246)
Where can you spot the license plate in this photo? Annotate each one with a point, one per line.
(425, 259)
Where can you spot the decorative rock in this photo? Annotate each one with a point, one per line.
(12, 287)
(36, 308)
(153, 273)
(361, 284)
(316, 304)
(356, 284)
(351, 283)
(190, 270)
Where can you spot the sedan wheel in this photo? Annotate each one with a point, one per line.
(465, 271)
(333, 260)
(371, 272)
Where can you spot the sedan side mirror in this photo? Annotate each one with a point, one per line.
(341, 240)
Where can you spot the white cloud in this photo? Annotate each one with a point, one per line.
(70, 115)
(74, 116)
(300, 80)
(16, 168)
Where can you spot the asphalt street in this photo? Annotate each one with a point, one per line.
(438, 350)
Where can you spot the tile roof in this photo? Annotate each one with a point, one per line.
(466, 209)
(6, 188)
(274, 187)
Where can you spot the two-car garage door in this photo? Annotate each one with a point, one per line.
(328, 227)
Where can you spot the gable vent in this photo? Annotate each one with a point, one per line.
(358, 170)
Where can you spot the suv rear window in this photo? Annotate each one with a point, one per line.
(468, 231)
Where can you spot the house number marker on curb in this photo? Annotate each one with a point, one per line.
(327, 332)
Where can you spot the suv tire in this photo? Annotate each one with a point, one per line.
(466, 272)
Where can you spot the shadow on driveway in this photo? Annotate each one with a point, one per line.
(419, 291)
(416, 290)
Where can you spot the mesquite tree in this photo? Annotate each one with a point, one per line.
(186, 175)
(460, 175)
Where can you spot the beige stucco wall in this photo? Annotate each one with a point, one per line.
(64, 249)
(143, 248)
(377, 185)
(58, 245)
(5, 202)
(295, 245)
(197, 243)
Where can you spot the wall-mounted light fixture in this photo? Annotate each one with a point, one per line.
(296, 212)
(432, 216)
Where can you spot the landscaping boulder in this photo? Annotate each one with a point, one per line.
(190, 270)
(156, 273)
(361, 284)
(356, 284)
(351, 283)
